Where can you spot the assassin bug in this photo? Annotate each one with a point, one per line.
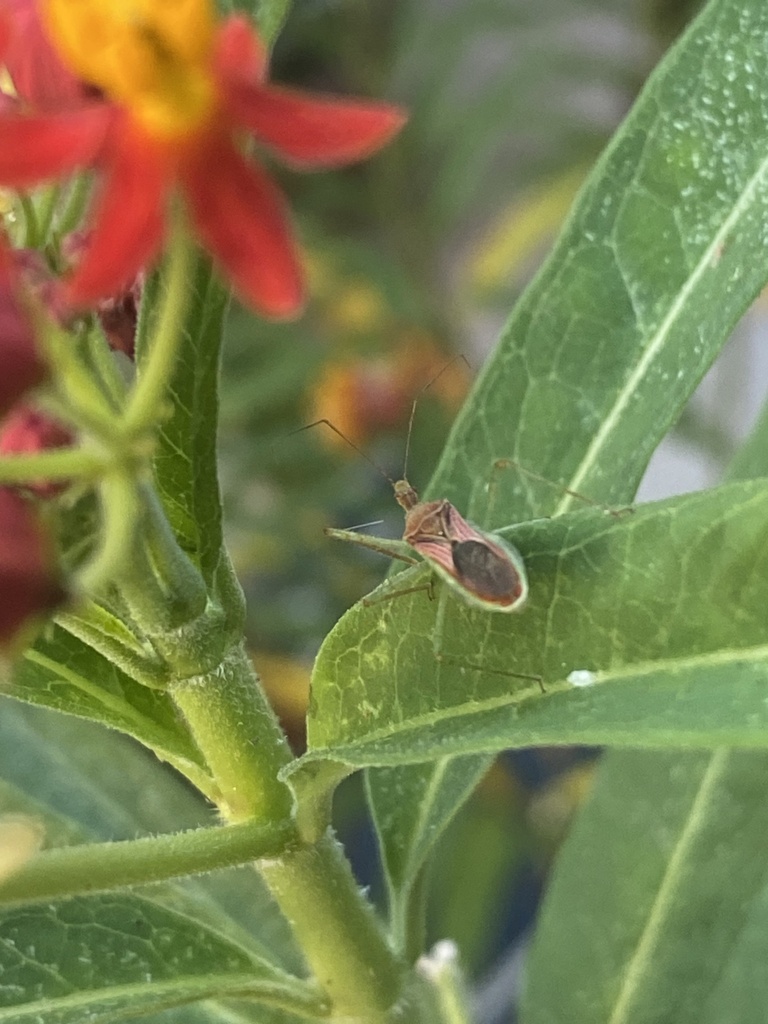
(484, 570)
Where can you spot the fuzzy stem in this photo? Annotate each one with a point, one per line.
(144, 408)
(337, 930)
(107, 867)
(53, 464)
(238, 734)
(121, 511)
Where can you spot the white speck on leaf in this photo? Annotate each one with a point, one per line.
(581, 677)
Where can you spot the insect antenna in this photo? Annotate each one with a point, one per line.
(416, 400)
(349, 442)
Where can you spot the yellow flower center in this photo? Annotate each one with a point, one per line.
(150, 56)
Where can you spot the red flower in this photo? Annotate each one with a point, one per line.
(29, 583)
(118, 314)
(39, 77)
(180, 92)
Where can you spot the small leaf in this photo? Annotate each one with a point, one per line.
(411, 810)
(62, 673)
(114, 957)
(658, 908)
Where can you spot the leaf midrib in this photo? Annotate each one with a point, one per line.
(658, 340)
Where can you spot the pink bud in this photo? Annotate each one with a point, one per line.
(29, 581)
(26, 431)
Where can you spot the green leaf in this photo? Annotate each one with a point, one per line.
(674, 798)
(62, 673)
(185, 457)
(99, 779)
(86, 782)
(752, 458)
(660, 257)
(411, 810)
(658, 908)
(656, 264)
(114, 957)
(666, 606)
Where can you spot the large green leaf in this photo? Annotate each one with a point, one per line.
(665, 606)
(99, 779)
(658, 261)
(113, 957)
(659, 909)
(659, 816)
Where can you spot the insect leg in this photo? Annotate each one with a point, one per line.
(506, 463)
(383, 545)
(445, 659)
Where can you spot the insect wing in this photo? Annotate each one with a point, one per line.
(490, 572)
(487, 571)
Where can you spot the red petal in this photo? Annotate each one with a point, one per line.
(5, 32)
(128, 223)
(240, 53)
(241, 218)
(33, 149)
(38, 75)
(312, 131)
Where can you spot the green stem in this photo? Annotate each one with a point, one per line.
(53, 464)
(237, 732)
(144, 408)
(46, 208)
(166, 595)
(103, 364)
(30, 221)
(120, 511)
(337, 930)
(75, 383)
(106, 867)
(408, 912)
(74, 208)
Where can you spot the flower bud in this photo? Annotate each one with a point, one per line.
(26, 431)
(29, 580)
